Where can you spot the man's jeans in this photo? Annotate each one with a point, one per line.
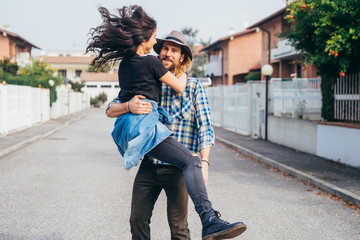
(173, 152)
(149, 181)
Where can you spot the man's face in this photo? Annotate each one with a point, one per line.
(170, 55)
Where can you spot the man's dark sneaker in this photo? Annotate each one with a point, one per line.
(215, 228)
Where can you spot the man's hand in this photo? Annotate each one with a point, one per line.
(136, 106)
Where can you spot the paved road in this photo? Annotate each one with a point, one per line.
(72, 185)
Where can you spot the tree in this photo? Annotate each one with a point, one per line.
(37, 70)
(36, 74)
(199, 60)
(77, 86)
(7, 67)
(191, 35)
(327, 32)
(95, 68)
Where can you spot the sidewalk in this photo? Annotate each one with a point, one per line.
(335, 178)
(338, 179)
(17, 140)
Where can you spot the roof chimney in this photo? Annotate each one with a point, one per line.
(6, 27)
(231, 31)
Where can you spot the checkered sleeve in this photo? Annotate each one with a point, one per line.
(205, 136)
(115, 100)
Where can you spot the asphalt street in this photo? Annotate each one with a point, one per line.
(71, 185)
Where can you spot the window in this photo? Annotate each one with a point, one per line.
(77, 73)
(117, 86)
(91, 86)
(62, 73)
(105, 86)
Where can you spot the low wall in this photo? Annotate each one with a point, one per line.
(295, 133)
(336, 143)
(23, 106)
(339, 144)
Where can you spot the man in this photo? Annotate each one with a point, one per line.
(191, 127)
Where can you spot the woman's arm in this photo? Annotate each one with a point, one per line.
(135, 105)
(178, 84)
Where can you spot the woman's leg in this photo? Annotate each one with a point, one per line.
(173, 152)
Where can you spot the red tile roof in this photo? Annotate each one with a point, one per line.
(17, 37)
(214, 44)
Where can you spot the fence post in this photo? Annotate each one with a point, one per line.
(3, 109)
(222, 105)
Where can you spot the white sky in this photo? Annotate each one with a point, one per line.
(64, 25)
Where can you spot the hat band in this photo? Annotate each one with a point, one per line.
(174, 38)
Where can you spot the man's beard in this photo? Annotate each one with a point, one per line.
(172, 66)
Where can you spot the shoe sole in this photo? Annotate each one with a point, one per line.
(228, 233)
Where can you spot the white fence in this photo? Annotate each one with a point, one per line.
(241, 107)
(24, 106)
(69, 102)
(236, 107)
(347, 98)
(298, 98)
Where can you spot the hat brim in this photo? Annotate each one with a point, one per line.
(160, 42)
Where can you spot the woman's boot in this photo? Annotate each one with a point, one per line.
(216, 228)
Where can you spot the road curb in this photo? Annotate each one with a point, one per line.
(38, 137)
(324, 185)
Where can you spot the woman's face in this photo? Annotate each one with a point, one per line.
(148, 45)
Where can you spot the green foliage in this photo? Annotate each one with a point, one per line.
(327, 32)
(102, 97)
(6, 66)
(199, 60)
(77, 86)
(191, 35)
(197, 68)
(94, 101)
(37, 74)
(95, 68)
(327, 92)
(38, 70)
(256, 75)
(98, 100)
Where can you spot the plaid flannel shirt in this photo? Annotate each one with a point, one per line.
(191, 112)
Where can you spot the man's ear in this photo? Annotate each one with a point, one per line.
(182, 58)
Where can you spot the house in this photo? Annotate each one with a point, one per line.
(232, 57)
(15, 47)
(68, 64)
(96, 83)
(285, 60)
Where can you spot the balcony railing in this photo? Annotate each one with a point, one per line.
(213, 68)
(284, 50)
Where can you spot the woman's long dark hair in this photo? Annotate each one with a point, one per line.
(118, 37)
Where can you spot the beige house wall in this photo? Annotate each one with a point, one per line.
(4, 47)
(244, 54)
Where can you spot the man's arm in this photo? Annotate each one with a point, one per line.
(204, 155)
(135, 105)
(206, 132)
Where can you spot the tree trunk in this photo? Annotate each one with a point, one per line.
(327, 91)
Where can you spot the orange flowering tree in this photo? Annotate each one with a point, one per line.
(327, 32)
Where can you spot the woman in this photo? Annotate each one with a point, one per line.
(129, 37)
